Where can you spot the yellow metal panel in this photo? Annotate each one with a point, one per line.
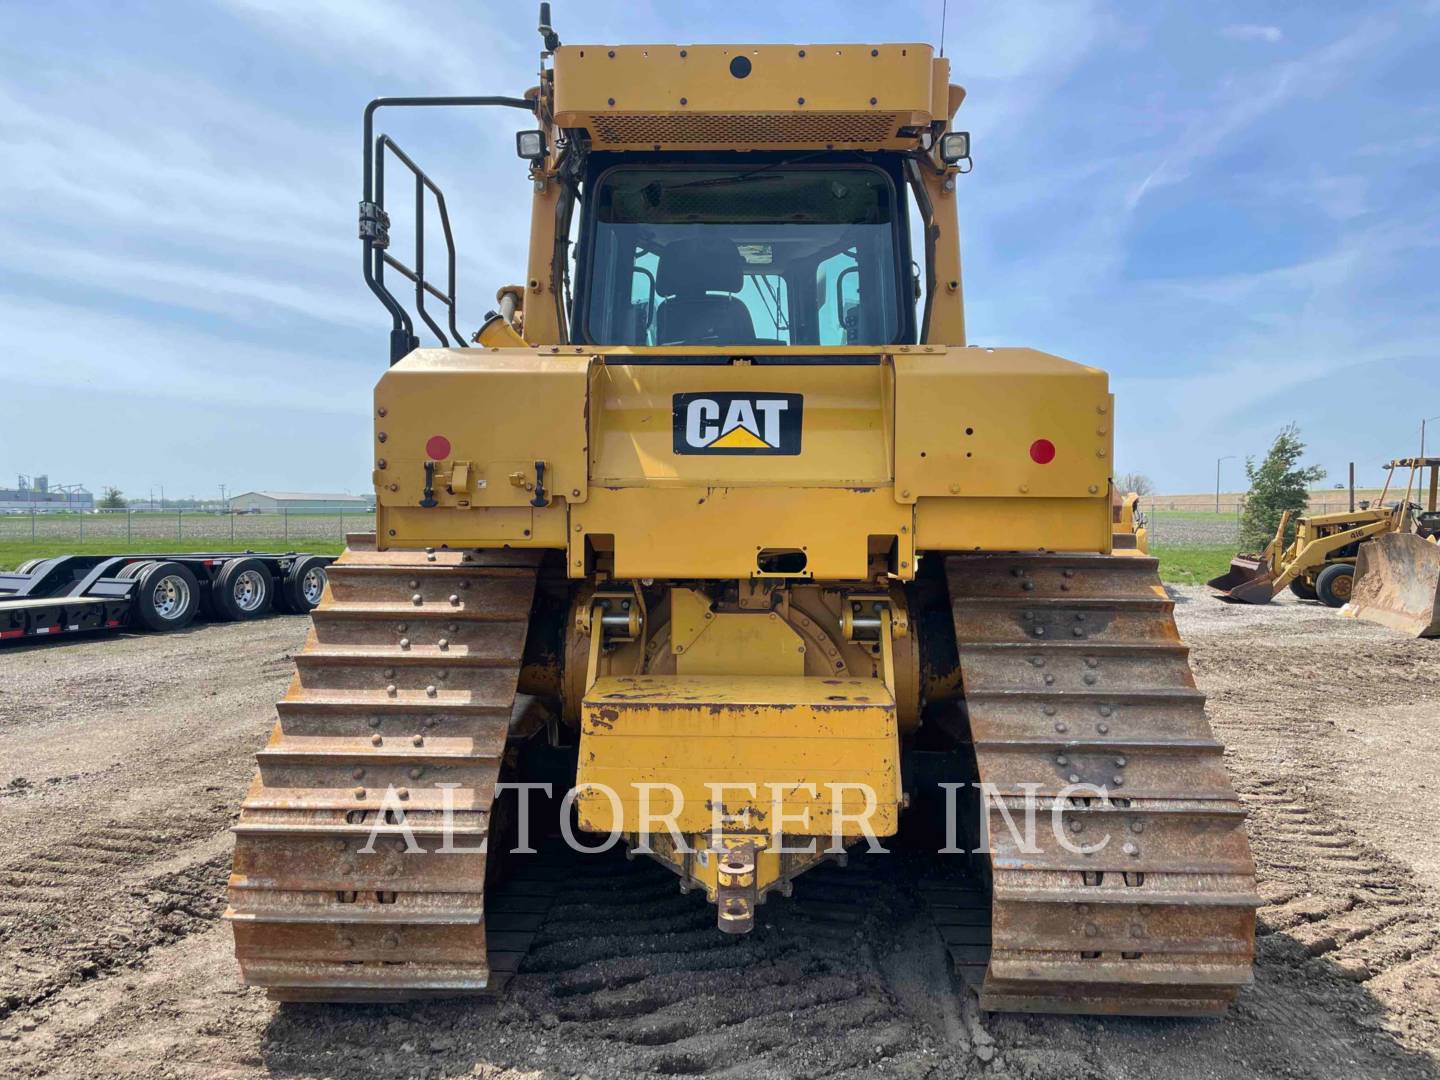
(665, 96)
(500, 411)
(945, 309)
(414, 526)
(1012, 524)
(965, 424)
(707, 642)
(705, 532)
(845, 438)
(693, 732)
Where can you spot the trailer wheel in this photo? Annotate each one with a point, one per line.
(243, 589)
(166, 594)
(1334, 584)
(1303, 589)
(303, 586)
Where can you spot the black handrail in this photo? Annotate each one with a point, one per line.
(375, 225)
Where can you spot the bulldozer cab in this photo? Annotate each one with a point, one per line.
(792, 249)
(708, 196)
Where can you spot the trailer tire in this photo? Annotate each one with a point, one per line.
(243, 589)
(166, 594)
(303, 586)
(1334, 583)
(1303, 589)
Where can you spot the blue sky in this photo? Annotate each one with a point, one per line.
(1232, 207)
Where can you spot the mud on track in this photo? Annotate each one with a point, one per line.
(121, 761)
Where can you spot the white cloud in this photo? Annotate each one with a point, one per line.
(1245, 100)
(1253, 32)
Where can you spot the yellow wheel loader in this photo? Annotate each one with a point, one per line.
(1397, 576)
(713, 505)
(1325, 559)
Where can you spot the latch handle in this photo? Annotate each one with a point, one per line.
(429, 499)
(539, 499)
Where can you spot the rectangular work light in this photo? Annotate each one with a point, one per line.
(954, 146)
(530, 145)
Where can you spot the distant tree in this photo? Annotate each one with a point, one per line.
(111, 498)
(1139, 483)
(1277, 484)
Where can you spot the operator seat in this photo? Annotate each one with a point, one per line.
(690, 273)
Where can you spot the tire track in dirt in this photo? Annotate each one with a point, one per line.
(1343, 923)
(625, 961)
(74, 911)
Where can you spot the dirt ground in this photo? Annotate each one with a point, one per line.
(121, 762)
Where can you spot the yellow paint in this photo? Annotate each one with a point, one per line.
(668, 96)
(718, 532)
(776, 733)
(971, 416)
(706, 642)
(740, 438)
(845, 441)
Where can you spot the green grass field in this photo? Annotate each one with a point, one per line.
(1192, 565)
(15, 552)
(1188, 515)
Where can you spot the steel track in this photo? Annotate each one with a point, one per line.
(406, 684)
(1074, 673)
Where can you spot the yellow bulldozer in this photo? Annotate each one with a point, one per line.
(717, 510)
(1380, 558)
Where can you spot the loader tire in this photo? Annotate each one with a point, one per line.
(1303, 589)
(395, 726)
(1334, 584)
(243, 589)
(1074, 674)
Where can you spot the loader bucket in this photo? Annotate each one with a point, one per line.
(1397, 584)
(1249, 581)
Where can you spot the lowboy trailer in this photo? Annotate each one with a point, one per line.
(73, 593)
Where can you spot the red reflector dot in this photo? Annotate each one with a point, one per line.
(1042, 451)
(438, 448)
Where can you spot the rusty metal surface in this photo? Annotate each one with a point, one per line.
(1074, 673)
(1397, 584)
(406, 682)
(1248, 581)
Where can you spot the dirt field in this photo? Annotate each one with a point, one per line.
(121, 761)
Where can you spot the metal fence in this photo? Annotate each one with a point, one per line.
(1232, 507)
(188, 527)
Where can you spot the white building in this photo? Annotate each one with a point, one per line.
(272, 502)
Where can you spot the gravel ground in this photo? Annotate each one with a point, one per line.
(121, 761)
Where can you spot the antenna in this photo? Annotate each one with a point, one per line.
(551, 39)
(944, 10)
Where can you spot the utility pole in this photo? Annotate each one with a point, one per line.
(1352, 483)
(1227, 457)
(1422, 432)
